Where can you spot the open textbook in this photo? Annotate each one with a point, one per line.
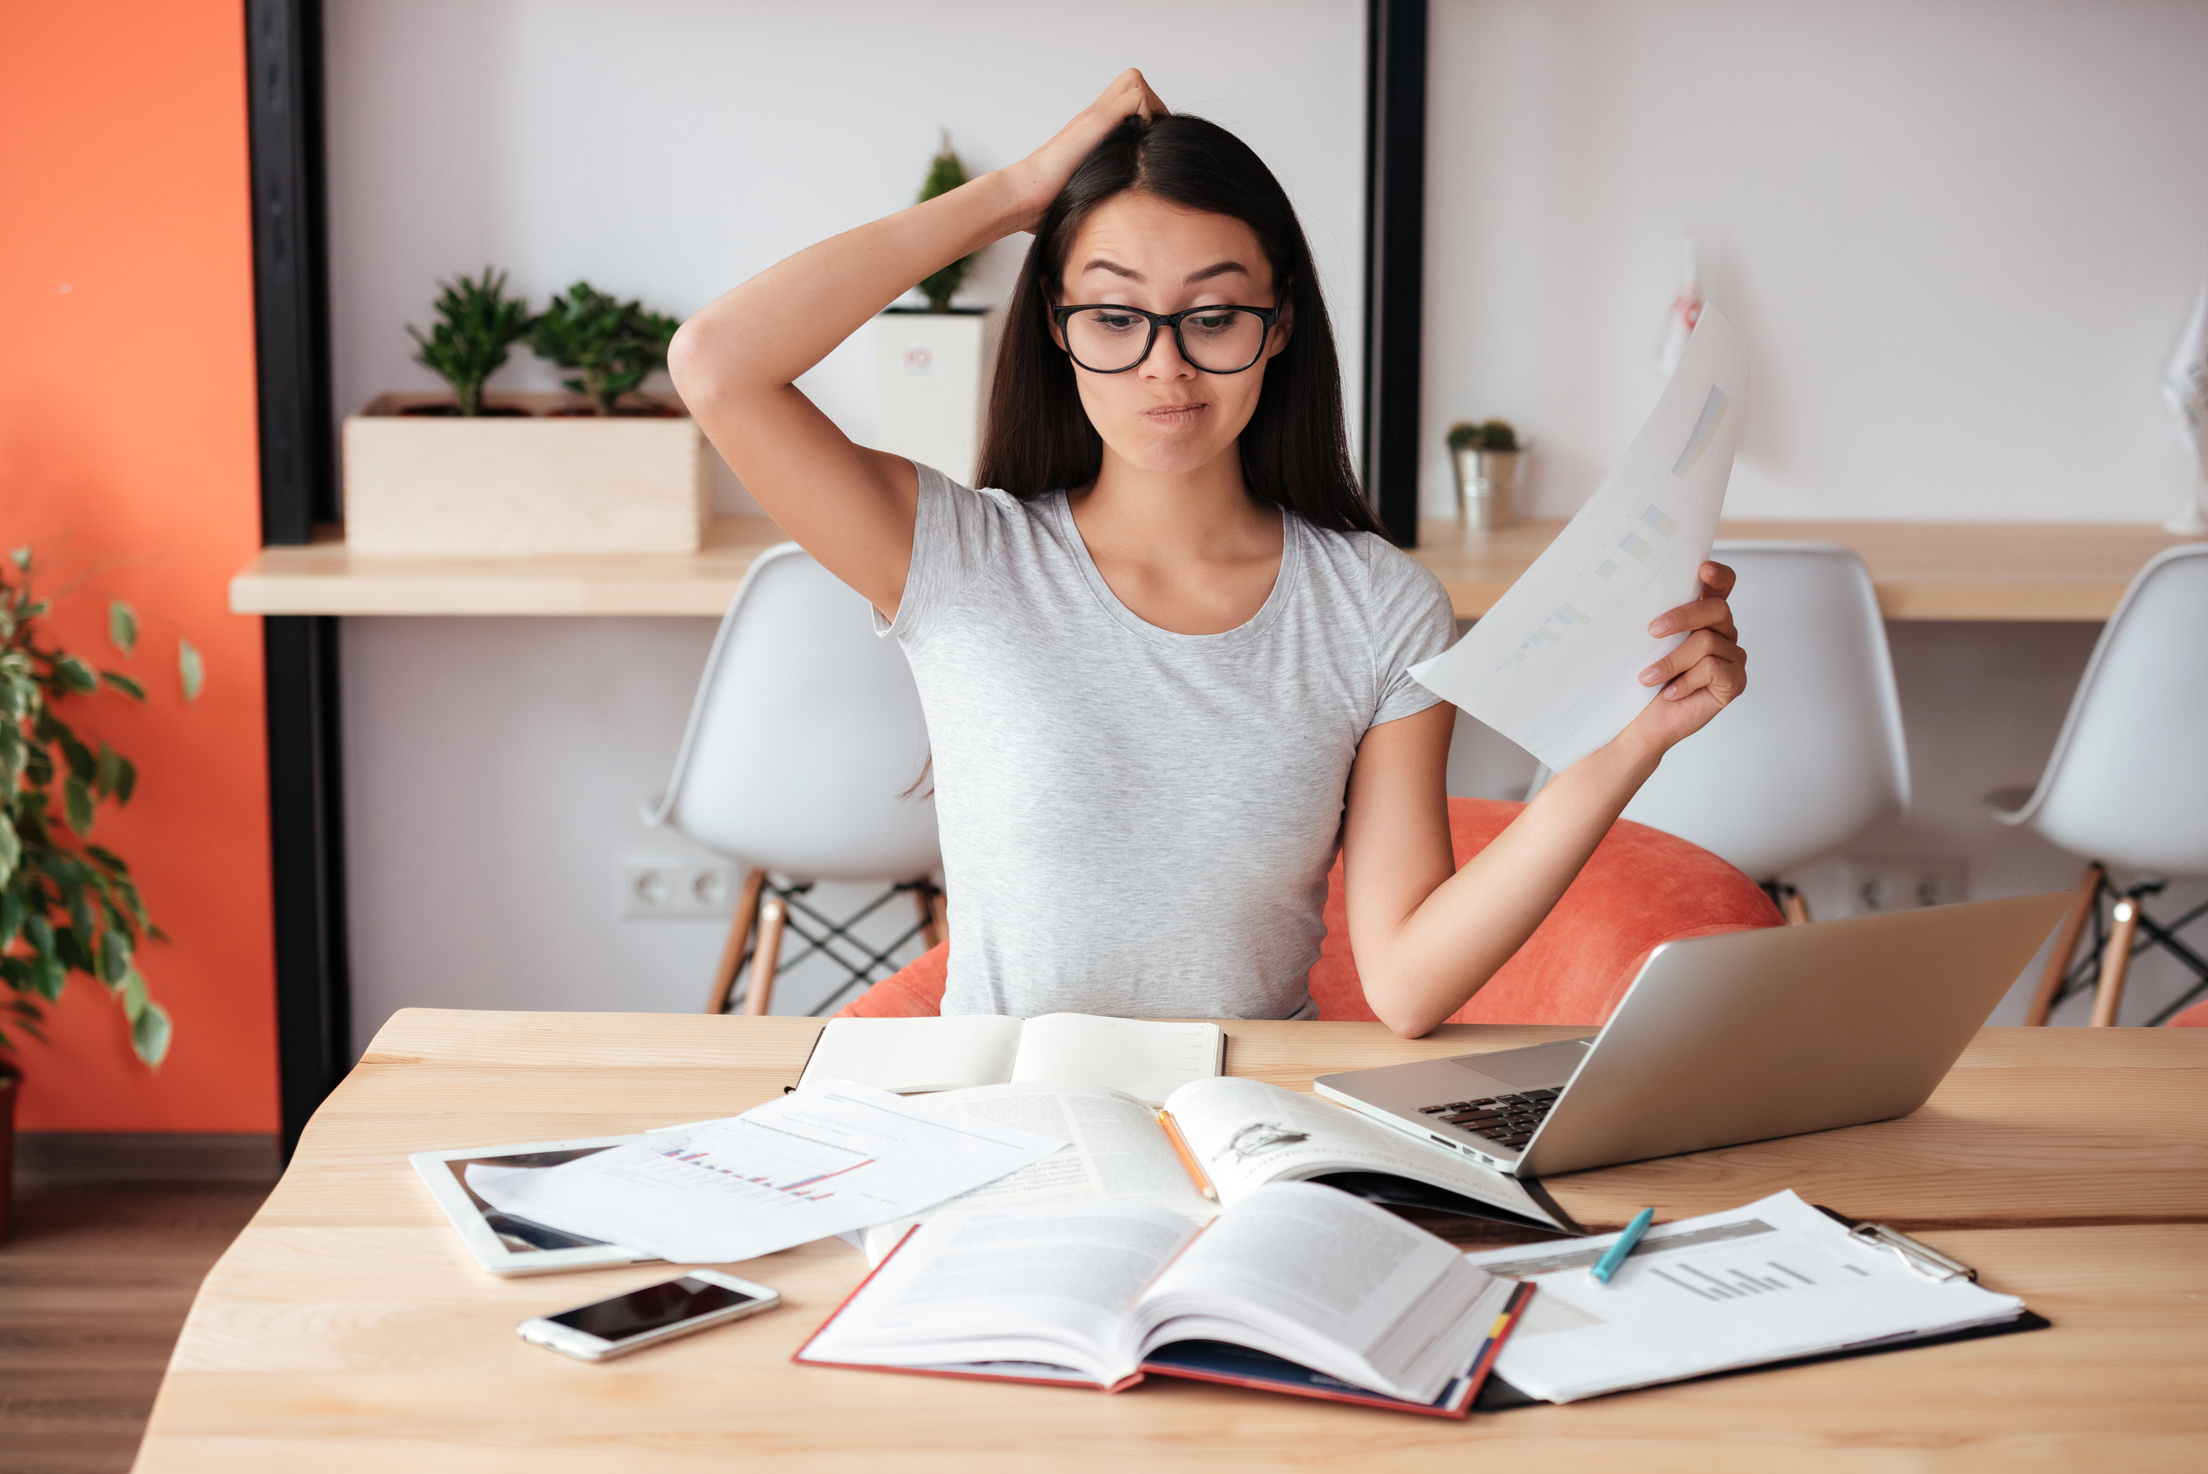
(1555, 664)
(1084, 1293)
(1244, 1135)
(1146, 1059)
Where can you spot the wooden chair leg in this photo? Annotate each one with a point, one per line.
(2066, 946)
(739, 932)
(929, 903)
(766, 956)
(2115, 962)
(1795, 907)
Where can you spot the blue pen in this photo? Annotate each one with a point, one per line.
(1608, 1264)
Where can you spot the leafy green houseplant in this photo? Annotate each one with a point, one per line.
(67, 904)
(477, 326)
(611, 344)
(946, 172)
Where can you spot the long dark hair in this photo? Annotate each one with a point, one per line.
(1295, 449)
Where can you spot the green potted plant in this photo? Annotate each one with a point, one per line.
(1483, 458)
(533, 474)
(612, 345)
(931, 363)
(68, 905)
(476, 328)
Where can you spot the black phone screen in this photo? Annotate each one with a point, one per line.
(650, 1309)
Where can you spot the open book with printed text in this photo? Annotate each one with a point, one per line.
(1296, 1288)
(1242, 1133)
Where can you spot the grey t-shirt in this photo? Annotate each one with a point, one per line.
(1137, 822)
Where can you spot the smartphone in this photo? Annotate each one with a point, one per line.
(646, 1317)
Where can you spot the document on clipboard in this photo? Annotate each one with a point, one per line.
(1774, 1281)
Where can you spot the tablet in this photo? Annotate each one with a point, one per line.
(502, 1242)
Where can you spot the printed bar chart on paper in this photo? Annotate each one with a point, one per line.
(1555, 664)
(1764, 1282)
(832, 1158)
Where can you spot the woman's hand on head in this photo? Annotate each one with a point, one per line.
(1703, 675)
(1043, 173)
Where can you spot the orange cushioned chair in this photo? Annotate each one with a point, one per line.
(1642, 887)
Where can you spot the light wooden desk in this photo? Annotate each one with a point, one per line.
(1923, 570)
(347, 1330)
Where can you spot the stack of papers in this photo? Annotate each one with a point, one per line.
(1769, 1282)
(834, 1158)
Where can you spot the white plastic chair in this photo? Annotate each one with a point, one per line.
(1813, 752)
(2127, 785)
(805, 745)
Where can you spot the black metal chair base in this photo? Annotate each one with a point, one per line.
(833, 939)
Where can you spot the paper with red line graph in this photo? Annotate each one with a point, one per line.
(828, 1159)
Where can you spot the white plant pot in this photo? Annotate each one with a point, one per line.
(523, 485)
(931, 385)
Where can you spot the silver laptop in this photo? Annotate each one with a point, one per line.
(1726, 1039)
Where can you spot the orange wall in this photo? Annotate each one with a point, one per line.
(127, 452)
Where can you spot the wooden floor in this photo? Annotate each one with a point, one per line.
(94, 1285)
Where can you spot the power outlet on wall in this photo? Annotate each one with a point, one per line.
(676, 890)
(1904, 885)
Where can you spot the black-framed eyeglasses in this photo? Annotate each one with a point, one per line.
(1106, 338)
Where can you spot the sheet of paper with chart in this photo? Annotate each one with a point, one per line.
(1772, 1280)
(829, 1159)
(1555, 664)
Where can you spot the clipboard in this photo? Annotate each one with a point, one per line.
(1497, 1395)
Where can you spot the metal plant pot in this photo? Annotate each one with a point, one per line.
(1487, 488)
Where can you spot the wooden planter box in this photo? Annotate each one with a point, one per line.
(523, 485)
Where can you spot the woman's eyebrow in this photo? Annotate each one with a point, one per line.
(1222, 268)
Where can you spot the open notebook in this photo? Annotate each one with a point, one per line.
(1144, 1059)
(1296, 1288)
(1244, 1134)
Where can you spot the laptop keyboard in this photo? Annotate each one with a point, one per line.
(1506, 1120)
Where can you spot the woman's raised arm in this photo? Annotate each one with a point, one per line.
(736, 362)
(1426, 935)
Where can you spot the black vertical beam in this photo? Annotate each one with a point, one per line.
(298, 490)
(1395, 256)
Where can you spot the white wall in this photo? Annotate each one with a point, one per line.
(668, 149)
(1959, 237)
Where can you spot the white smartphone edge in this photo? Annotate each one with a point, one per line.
(548, 1333)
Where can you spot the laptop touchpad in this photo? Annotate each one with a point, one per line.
(1526, 1069)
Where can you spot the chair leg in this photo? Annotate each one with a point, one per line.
(2115, 962)
(739, 933)
(928, 901)
(2066, 946)
(1796, 907)
(766, 956)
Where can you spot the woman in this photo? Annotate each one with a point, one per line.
(1164, 660)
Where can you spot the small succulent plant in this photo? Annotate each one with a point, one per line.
(612, 345)
(477, 326)
(1487, 435)
(946, 172)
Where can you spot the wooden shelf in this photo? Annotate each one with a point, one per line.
(1923, 570)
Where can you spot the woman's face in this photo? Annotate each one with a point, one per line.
(1166, 416)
